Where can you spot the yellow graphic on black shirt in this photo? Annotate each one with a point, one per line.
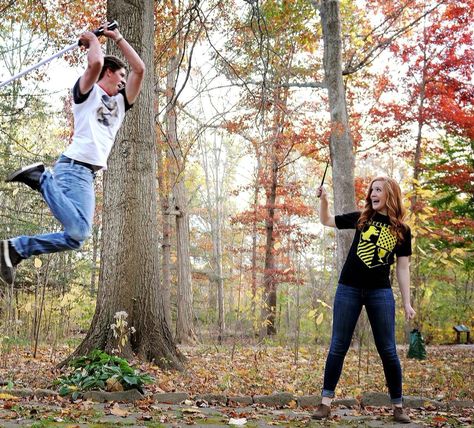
(376, 244)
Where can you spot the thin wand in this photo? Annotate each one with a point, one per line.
(324, 176)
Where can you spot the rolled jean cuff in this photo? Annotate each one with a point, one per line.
(396, 400)
(327, 393)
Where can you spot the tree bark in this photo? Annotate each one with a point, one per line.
(341, 145)
(129, 275)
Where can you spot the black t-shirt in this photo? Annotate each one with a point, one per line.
(372, 251)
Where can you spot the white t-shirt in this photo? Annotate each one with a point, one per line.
(97, 119)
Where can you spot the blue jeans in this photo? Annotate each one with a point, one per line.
(380, 307)
(69, 193)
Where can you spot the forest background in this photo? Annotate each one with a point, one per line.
(242, 129)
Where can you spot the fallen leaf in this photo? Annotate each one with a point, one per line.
(5, 396)
(320, 318)
(116, 410)
(113, 384)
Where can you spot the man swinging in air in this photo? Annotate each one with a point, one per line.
(101, 99)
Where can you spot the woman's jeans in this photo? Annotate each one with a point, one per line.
(380, 307)
(69, 193)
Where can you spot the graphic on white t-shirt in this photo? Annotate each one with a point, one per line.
(107, 113)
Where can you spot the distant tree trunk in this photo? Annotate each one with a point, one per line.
(269, 282)
(254, 239)
(95, 248)
(185, 320)
(163, 180)
(269, 285)
(416, 279)
(341, 146)
(129, 274)
(214, 198)
(421, 120)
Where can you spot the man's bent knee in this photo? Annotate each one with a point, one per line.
(76, 239)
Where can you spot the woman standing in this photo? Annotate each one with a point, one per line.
(365, 281)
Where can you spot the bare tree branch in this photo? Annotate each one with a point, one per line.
(377, 50)
(10, 4)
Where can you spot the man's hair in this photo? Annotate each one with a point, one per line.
(111, 63)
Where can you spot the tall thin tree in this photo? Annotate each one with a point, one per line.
(341, 146)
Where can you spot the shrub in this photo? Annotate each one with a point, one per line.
(96, 370)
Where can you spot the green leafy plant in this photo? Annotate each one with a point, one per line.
(96, 370)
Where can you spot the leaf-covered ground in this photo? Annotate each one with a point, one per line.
(446, 374)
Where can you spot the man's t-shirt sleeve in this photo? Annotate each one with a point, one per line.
(76, 93)
(347, 221)
(128, 106)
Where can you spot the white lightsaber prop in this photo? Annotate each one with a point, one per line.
(112, 26)
(33, 67)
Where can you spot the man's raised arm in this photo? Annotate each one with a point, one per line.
(137, 66)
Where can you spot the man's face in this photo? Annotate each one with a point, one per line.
(117, 79)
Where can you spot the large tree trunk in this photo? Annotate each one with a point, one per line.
(129, 274)
(341, 146)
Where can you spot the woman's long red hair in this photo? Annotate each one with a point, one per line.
(395, 209)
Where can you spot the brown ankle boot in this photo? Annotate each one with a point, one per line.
(400, 415)
(321, 412)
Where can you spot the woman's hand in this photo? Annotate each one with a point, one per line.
(321, 193)
(409, 312)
